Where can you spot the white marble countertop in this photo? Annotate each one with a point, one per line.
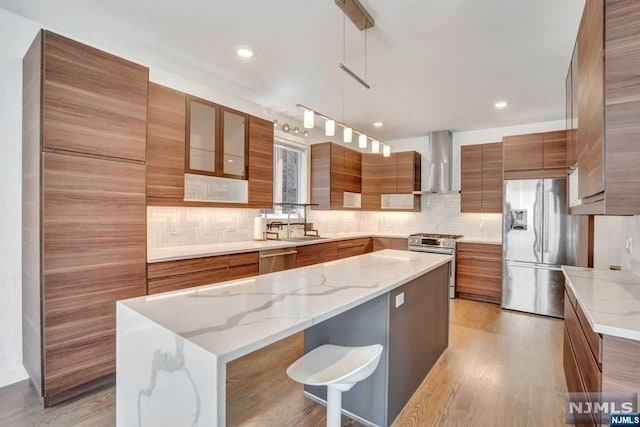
(234, 318)
(610, 299)
(481, 240)
(198, 251)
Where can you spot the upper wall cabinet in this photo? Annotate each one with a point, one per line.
(217, 140)
(605, 81)
(481, 178)
(536, 155)
(94, 102)
(249, 157)
(337, 170)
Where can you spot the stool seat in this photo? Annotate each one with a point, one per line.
(336, 366)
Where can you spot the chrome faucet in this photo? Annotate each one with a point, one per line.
(300, 218)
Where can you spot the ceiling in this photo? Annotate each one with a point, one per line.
(432, 64)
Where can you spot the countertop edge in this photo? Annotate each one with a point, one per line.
(270, 244)
(613, 331)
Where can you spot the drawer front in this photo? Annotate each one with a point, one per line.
(571, 372)
(174, 283)
(589, 370)
(242, 271)
(571, 296)
(594, 340)
(479, 251)
(243, 259)
(479, 277)
(316, 253)
(186, 266)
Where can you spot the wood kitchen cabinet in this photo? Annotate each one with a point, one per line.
(471, 178)
(93, 102)
(354, 247)
(479, 272)
(336, 169)
(381, 243)
(180, 274)
(84, 212)
(316, 253)
(401, 173)
(481, 178)
(165, 144)
(608, 108)
(166, 154)
(217, 141)
(371, 181)
(536, 155)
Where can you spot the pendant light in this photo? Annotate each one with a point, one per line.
(375, 146)
(347, 135)
(362, 141)
(330, 127)
(308, 119)
(386, 151)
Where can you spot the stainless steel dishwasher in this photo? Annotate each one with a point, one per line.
(273, 260)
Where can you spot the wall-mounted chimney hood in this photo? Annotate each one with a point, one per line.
(437, 164)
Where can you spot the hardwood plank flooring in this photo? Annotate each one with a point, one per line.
(502, 368)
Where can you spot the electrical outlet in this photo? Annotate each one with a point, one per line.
(173, 228)
(628, 246)
(399, 299)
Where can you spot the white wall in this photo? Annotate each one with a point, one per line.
(16, 35)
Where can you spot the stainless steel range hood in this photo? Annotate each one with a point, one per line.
(437, 164)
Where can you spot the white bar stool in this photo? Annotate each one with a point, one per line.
(337, 367)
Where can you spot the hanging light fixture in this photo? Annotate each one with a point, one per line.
(375, 146)
(308, 119)
(347, 135)
(362, 141)
(330, 127)
(386, 151)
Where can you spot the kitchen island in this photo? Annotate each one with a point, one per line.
(172, 348)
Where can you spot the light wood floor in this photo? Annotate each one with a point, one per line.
(501, 369)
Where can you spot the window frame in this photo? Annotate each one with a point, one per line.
(303, 176)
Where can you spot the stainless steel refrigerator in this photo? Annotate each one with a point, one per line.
(539, 237)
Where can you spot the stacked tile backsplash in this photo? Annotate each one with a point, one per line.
(180, 226)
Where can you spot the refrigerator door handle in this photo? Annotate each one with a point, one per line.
(545, 222)
(535, 265)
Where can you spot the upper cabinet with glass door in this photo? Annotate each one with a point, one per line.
(217, 140)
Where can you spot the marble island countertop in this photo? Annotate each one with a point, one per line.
(234, 318)
(198, 251)
(610, 299)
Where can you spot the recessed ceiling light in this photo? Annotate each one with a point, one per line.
(244, 52)
(500, 105)
(378, 124)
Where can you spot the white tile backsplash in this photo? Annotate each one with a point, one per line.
(181, 226)
(440, 214)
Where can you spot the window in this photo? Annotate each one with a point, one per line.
(289, 176)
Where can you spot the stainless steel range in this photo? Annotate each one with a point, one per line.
(438, 244)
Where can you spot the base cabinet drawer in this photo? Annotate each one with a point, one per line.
(183, 281)
(572, 374)
(479, 272)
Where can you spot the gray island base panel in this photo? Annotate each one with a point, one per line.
(172, 348)
(414, 335)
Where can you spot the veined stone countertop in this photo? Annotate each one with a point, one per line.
(198, 251)
(231, 319)
(610, 299)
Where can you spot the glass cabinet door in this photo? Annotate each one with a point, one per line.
(234, 143)
(202, 137)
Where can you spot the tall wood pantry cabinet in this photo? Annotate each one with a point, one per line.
(84, 232)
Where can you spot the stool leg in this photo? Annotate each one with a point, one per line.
(334, 407)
